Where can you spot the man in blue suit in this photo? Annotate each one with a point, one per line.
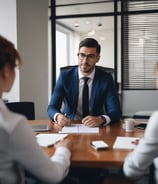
(104, 106)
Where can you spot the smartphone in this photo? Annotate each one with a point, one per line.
(99, 145)
(141, 126)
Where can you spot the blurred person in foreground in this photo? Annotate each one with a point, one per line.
(137, 163)
(19, 151)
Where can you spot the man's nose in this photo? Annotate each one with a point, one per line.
(85, 58)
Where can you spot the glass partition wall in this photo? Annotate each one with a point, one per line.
(127, 32)
(73, 21)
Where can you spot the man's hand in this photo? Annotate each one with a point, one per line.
(63, 120)
(52, 126)
(92, 121)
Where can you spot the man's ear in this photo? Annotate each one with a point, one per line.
(98, 58)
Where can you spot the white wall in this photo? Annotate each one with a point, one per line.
(8, 29)
(139, 100)
(32, 31)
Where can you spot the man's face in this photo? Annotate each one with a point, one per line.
(87, 58)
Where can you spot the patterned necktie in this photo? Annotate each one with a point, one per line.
(85, 98)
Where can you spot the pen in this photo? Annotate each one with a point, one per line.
(135, 142)
(68, 118)
(66, 115)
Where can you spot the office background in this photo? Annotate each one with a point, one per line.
(27, 24)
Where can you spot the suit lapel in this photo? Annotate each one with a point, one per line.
(75, 87)
(94, 92)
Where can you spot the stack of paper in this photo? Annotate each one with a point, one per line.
(125, 142)
(79, 128)
(46, 140)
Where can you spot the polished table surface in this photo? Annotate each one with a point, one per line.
(83, 155)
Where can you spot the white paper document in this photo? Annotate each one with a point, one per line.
(79, 128)
(125, 142)
(46, 140)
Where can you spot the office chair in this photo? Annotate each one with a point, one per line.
(25, 108)
(108, 70)
(142, 114)
(152, 174)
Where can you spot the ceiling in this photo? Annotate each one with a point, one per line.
(88, 25)
(85, 25)
(66, 2)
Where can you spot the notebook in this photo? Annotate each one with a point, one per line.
(39, 127)
(46, 140)
(125, 142)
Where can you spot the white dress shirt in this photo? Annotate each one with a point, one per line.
(19, 150)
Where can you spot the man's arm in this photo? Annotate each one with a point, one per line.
(56, 99)
(112, 102)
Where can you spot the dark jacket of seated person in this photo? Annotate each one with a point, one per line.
(100, 105)
(103, 95)
(104, 105)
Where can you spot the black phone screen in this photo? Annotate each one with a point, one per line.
(141, 126)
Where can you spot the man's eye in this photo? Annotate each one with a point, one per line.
(91, 56)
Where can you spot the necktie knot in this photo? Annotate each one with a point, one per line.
(85, 79)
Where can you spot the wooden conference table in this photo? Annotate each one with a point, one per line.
(83, 155)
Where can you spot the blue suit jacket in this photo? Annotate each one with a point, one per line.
(103, 101)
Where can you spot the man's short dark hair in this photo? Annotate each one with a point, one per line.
(90, 42)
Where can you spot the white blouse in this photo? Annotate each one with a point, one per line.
(137, 162)
(19, 150)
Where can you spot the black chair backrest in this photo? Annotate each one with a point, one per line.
(108, 70)
(152, 174)
(25, 108)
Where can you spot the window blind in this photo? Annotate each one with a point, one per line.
(140, 44)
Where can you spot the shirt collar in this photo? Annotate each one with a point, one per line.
(2, 104)
(91, 76)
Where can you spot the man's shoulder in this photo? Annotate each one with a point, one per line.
(70, 70)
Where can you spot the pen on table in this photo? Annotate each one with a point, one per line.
(66, 115)
(135, 142)
(68, 118)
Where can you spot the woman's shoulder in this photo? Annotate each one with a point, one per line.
(10, 120)
(152, 127)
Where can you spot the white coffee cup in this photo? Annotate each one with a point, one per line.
(129, 125)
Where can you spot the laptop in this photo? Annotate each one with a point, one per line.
(39, 127)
